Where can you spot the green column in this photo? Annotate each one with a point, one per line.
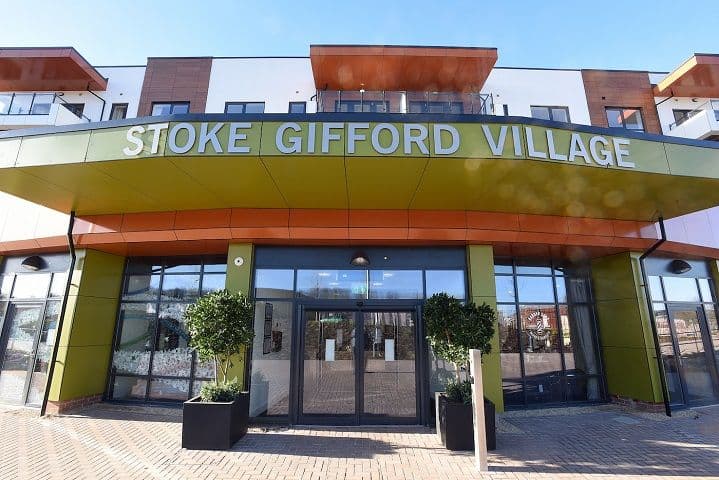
(239, 279)
(85, 342)
(630, 362)
(480, 261)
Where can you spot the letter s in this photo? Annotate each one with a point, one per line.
(139, 144)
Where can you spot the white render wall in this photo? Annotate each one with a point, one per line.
(275, 81)
(520, 88)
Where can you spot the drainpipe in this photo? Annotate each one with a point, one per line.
(63, 308)
(652, 319)
(102, 112)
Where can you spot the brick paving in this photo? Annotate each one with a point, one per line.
(112, 442)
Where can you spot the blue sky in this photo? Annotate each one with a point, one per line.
(636, 34)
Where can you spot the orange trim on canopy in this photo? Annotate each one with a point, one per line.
(696, 77)
(378, 67)
(46, 70)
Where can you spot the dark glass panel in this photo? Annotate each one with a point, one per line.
(271, 283)
(540, 340)
(535, 289)
(332, 283)
(129, 388)
(142, 288)
(450, 282)
(513, 394)
(135, 342)
(505, 288)
(397, 284)
(184, 288)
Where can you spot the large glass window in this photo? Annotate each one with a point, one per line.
(152, 359)
(629, 118)
(548, 342)
(170, 108)
(245, 107)
(557, 114)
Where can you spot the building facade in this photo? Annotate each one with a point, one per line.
(340, 191)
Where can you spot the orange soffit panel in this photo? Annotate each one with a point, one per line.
(47, 69)
(697, 77)
(425, 69)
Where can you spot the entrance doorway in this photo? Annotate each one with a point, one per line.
(358, 367)
(688, 356)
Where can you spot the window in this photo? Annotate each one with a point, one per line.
(629, 118)
(556, 114)
(26, 103)
(245, 107)
(170, 108)
(548, 342)
(152, 359)
(76, 108)
(118, 111)
(298, 107)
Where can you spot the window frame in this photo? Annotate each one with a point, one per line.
(118, 105)
(304, 107)
(244, 108)
(172, 105)
(623, 118)
(550, 109)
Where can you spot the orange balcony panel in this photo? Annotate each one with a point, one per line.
(380, 67)
(138, 222)
(492, 221)
(379, 218)
(379, 234)
(204, 234)
(477, 235)
(47, 70)
(318, 218)
(98, 238)
(310, 233)
(543, 223)
(438, 234)
(437, 219)
(98, 224)
(696, 77)
(262, 233)
(153, 236)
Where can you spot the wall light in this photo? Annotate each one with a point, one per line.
(679, 266)
(33, 263)
(359, 259)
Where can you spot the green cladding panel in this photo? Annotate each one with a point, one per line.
(630, 362)
(480, 261)
(85, 343)
(239, 279)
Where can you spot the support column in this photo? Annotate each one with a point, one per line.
(630, 362)
(85, 346)
(239, 279)
(480, 263)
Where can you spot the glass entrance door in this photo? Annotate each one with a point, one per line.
(695, 358)
(17, 350)
(358, 367)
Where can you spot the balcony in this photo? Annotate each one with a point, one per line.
(361, 101)
(700, 124)
(24, 110)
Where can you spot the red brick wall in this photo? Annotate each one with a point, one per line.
(620, 89)
(176, 80)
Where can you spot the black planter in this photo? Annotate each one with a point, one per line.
(456, 425)
(214, 425)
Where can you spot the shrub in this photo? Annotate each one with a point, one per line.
(459, 391)
(220, 326)
(453, 328)
(220, 392)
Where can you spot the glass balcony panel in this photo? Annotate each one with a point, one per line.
(41, 104)
(5, 101)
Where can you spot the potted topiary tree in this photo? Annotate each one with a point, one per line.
(453, 328)
(220, 326)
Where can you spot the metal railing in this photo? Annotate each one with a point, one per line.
(32, 104)
(381, 101)
(711, 105)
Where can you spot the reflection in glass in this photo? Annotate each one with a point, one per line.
(705, 290)
(271, 353)
(31, 285)
(509, 341)
(169, 389)
(142, 288)
(129, 388)
(44, 352)
(21, 324)
(6, 285)
(172, 355)
(328, 366)
(212, 283)
(184, 288)
(505, 288)
(389, 363)
(271, 283)
(694, 360)
(184, 265)
(58, 285)
(332, 283)
(535, 289)
(540, 340)
(655, 288)
(450, 282)
(669, 360)
(680, 289)
(132, 352)
(398, 284)
(530, 268)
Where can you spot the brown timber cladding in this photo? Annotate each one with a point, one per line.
(176, 80)
(620, 89)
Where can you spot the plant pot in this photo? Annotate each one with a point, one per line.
(214, 425)
(455, 424)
